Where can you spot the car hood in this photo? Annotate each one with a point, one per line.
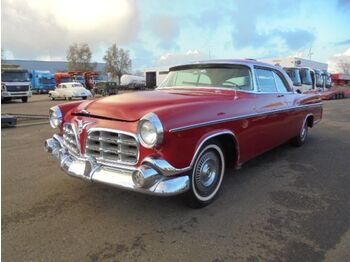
(133, 106)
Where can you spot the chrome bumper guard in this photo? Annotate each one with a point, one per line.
(148, 178)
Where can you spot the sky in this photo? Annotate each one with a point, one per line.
(170, 32)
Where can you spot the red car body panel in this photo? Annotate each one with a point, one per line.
(258, 122)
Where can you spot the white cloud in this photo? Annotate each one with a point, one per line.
(178, 58)
(334, 61)
(33, 28)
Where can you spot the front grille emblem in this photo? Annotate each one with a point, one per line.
(82, 124)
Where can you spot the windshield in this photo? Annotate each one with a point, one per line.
(305, 76)
(15, 76)
(66, 79)
(319, 78)
(44, 80)
(294, 75)
(80, 78)
(233, 77)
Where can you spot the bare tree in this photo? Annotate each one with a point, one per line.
(79, 58)
(344, 66)
(117, 61)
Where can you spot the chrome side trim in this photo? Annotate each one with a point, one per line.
(179, 129)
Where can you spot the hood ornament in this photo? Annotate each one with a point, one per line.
(82, 124)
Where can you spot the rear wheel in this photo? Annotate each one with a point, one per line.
(207, 174)
(25, 99)
(300, 139)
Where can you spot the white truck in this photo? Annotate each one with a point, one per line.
(306, 74)
(15, 83)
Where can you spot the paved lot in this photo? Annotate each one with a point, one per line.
(291, 204)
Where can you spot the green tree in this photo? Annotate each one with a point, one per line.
(79, 58)
(117, 61)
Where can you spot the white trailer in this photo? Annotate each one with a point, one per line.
(131, 81)
(156, 75)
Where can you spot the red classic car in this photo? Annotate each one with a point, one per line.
(181, 137)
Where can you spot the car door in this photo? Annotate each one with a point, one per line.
(62, 90)
(271, 107)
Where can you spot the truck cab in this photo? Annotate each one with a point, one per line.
(15, 83)
(78, 77)
(62, 78)
(303, 78)
(42, 81)
(91, 78)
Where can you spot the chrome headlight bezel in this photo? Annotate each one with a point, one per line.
(153, 120)
(55, 117)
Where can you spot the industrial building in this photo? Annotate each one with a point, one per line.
(52, 66)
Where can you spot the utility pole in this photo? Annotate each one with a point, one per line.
(310, 53)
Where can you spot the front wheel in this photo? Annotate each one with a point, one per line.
(25, 99)
(84, 97)
(207, 174)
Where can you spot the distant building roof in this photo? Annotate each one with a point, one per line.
(53, 66)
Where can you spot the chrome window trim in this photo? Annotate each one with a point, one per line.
(114, 163)
(219, 121)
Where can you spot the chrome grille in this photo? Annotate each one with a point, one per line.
(69, 139)
(112, 147)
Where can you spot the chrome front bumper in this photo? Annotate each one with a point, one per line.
(157, 175)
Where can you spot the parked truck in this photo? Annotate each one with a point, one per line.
(308, 76)
(42, 81)
(15, 83)
(62, 78)
(91, 78)
(78, 76)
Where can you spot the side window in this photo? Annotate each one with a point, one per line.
(265, 80)
(204, 80)
(281, 87)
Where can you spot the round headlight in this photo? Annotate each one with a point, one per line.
(55, 117)
(150, 131)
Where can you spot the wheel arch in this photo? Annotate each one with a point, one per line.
(230, 144)
(309, 119)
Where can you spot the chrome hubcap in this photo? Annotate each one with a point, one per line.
(207, 171)
(303, 132)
